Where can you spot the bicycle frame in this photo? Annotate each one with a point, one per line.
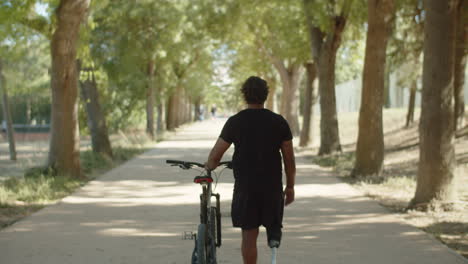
(209, 229)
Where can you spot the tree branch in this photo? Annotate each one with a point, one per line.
(39, 24)
(315, 34)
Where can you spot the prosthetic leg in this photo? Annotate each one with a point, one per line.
(274, 241)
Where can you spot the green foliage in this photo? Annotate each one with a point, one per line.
(350, 57)
(406, 44)
(127, 36)
(94, 161)
(339, 162)
(40, 189)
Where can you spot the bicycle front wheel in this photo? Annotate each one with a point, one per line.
(201, 244)
(211, 245)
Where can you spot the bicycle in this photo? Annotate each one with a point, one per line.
(208, 236)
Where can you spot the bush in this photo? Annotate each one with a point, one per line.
(40, 189)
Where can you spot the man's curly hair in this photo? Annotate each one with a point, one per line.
(255, 90)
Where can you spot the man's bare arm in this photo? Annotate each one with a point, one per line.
(287, 150)
(216, 153)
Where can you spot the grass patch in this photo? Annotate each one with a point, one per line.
(38, 190)
(341, 163)
(20, 197)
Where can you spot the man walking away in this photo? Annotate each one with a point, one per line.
(261, 138)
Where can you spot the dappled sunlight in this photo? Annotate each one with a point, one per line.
(134, 232)
(110, 223)
(142, 192)
(319, 190)
(310, 166)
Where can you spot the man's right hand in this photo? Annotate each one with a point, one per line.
(289, 195)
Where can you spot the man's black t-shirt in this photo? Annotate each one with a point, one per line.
(257, 135)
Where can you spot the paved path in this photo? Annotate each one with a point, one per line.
(137, 212)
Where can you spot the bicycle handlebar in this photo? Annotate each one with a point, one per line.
(189, 164)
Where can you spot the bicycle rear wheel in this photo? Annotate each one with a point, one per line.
(201, 244)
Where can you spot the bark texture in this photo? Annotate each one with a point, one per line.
(64, 143)
(160, 120)
(412, 103)
(150, 101)
(329, 130)
(7, 115)
(370, 143)
(310, 98)
(460, 62)
(95, 116)
(435, 180)
(174, 109)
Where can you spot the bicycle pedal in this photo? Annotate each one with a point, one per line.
(188, 235)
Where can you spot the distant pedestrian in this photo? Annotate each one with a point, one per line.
(213, 111)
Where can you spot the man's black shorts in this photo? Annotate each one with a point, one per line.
(251, 210)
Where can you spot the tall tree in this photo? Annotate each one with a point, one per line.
(64, 142)
(325, 40)
(404, 50)
(284, 48)
(370, 142)
(271, 80)
(412, 103)
(309, 102)
(7, 114)
(460, 62)
(100, 142)
(436, 169)
(150, 97)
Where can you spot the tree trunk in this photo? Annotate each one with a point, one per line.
(370, 143)
(460, 63)
(160, 127)
(323, 48)
(181, 108)
(150, 101)
(173, 109)
(186, 109)
(96, 120)
(197, 106)
(7, 114)
(170, 118)
(309, 102)
(435, 180)
(387, 98)
(189, 110)
(289, 108)
(160, 119)
(388, 67)
(28, 110)
(412, 103)
(329, 131)
(270, 103)
(64, 143)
